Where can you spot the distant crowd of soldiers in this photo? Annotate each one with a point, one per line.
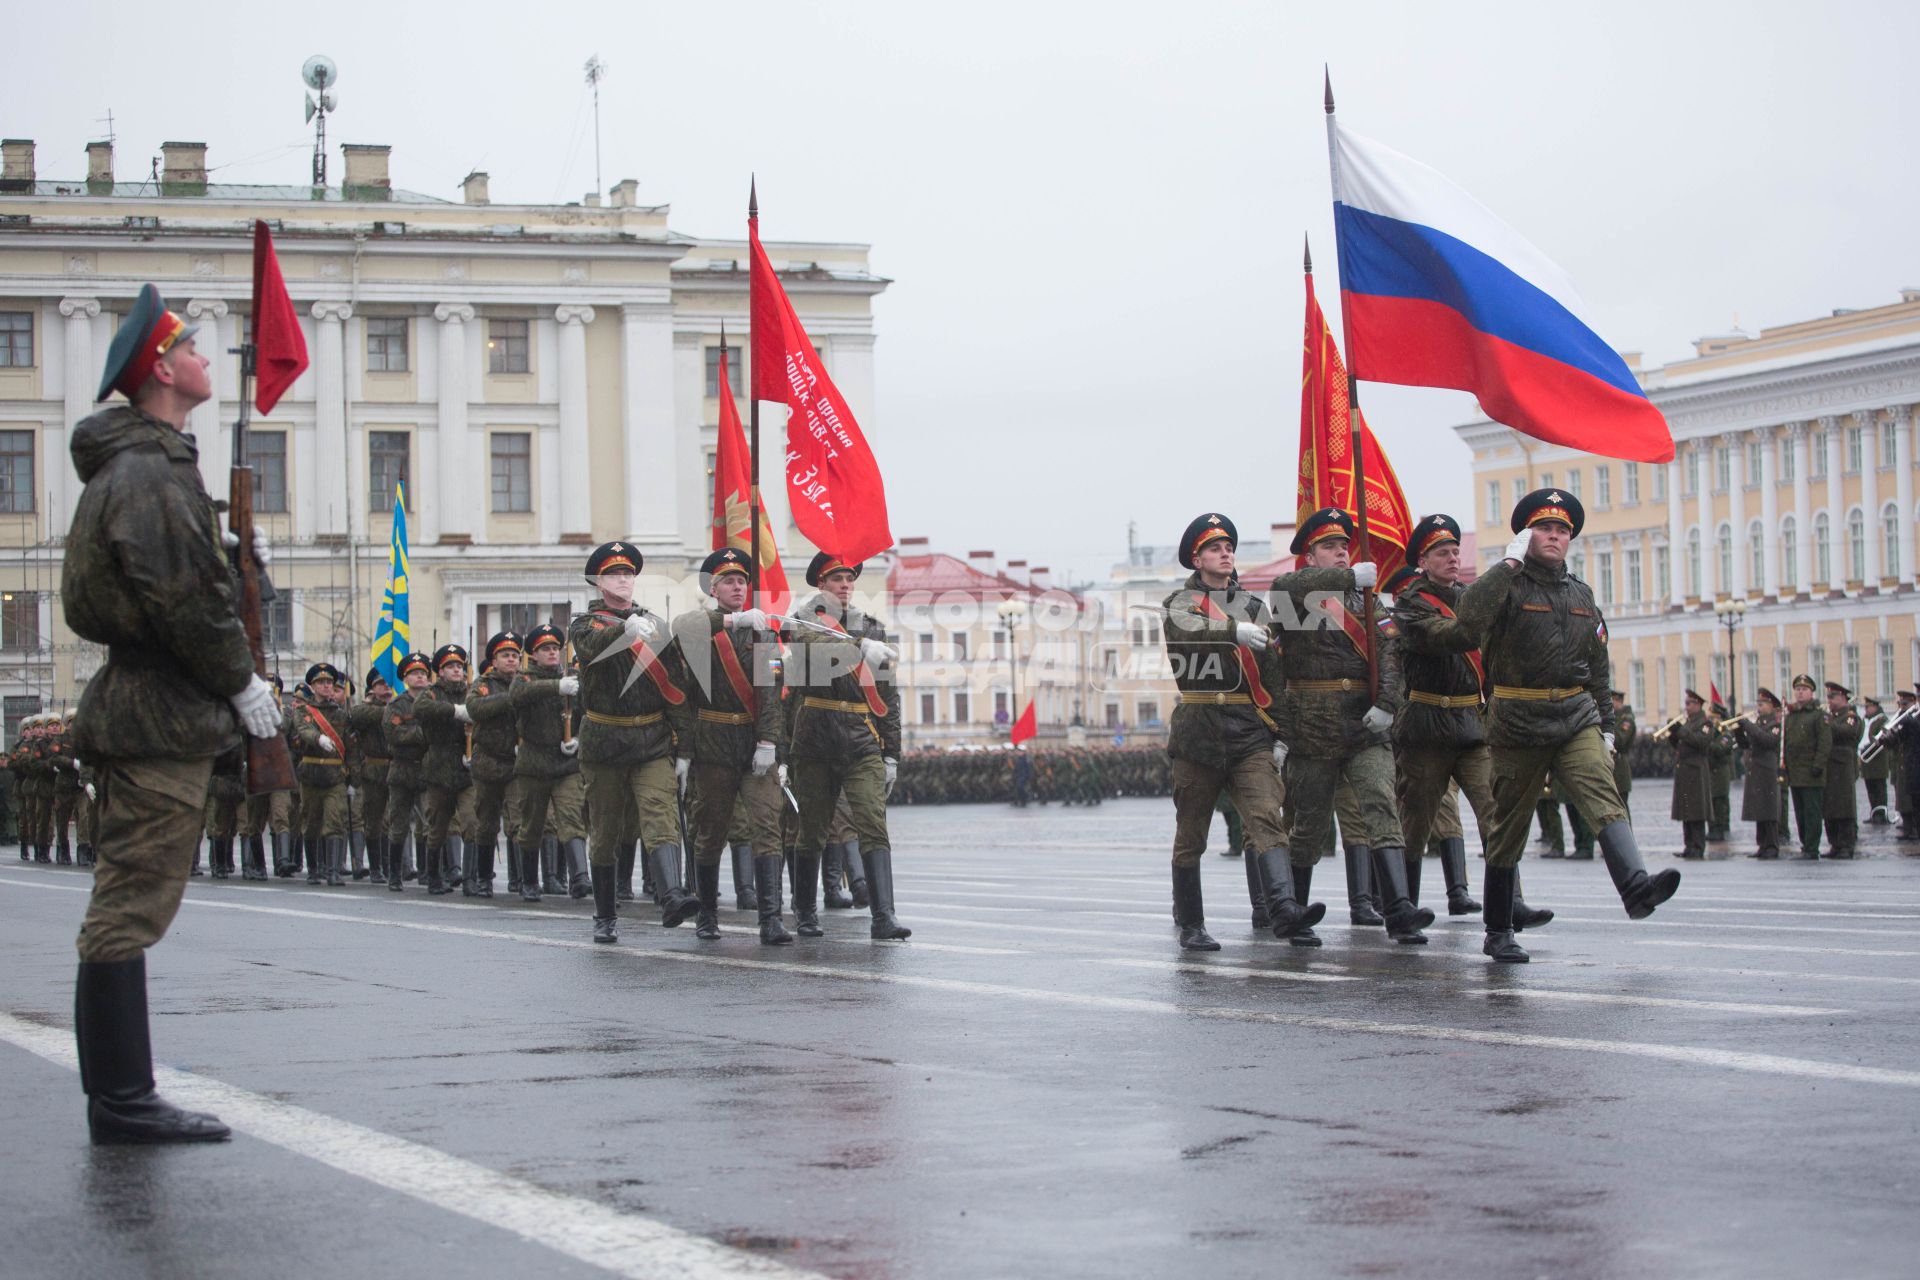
(53, 792)
(1024, 775)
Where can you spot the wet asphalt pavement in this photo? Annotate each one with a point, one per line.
(1037, 1084)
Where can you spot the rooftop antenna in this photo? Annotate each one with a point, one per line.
(321, 74)
(596, 72)
(112, 137)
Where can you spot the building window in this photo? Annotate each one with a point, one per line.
(276, 623)
(507, 346)
(960, 646)
(1639, 686)
(925, 644)
(1693, 562)
(1889, 444)
(1855, 456)
(387, 455)
(1819, 451)
(1603, 486)
(1890, 542)
(1850, 667)
(962, 706)
(1722, 469)
(1753, 464)
(19, 620)
(512, 471)
(1717, 670)
(1632, 472)
(1783, 672)
(1883, 656)
(713, 371)
(1577, 565)
(1757, 551)
(1789, 553)
(1146, 631)
(1660, 675)
(16, 472)
(1110, 663)
(1603, 562)
(1002, 712)
(1661, 478)
(1519, 490)
(927, 702)
(16, 339)
(1725, 549)
(1663, 573)
(1546, 480)
(1636, 586)
(1689, 674)
(1113, 715)
(522, 618)
(1788, 459)
(1856, 549)
(267, 455)
(386, 344)
(1749, 674)
(999, 644)
(1817, 668)
(1822, 550)
(1146, 713)
(1690, 473)
(1575, 483)
(1493, 502)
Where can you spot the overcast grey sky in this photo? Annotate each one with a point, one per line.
(1093, 212)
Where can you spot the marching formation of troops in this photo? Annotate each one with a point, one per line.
(53, 791)
(1024, 776)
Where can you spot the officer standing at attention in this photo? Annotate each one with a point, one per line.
(1223, 737)
(546, 769)
(1545, 645)
(1840, 801)
(730, 651)
(843, 709)
(1334, 722)
(1692, 783)
(496, 799)
(145, 576)
(1806, 745)
(369, 759)
(635, 708)
(320, 754)
(1760, 799)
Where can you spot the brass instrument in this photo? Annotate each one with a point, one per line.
(1668, 729)
(1871, 749)
(1727, 726)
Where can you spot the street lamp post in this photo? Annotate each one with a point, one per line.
(1011, 611)
(1731, 611)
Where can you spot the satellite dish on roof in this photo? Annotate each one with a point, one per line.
(319, 71)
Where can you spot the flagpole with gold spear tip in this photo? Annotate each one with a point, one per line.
(753, 422)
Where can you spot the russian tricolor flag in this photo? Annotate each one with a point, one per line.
(1438, 292)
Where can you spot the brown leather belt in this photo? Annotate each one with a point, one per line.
(335, 761)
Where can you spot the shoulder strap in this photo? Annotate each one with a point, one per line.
(650, 662)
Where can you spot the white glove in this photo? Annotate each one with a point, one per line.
(90, 792)
(875, 653)
(570, 746)
(1376, 720)
(262, 549)
(751, 619)
(763, 753)
(1279, 755)
(229, 539)
(682, 765)
(638, 627)
(74, 765)
(893, 773)
(1521, 544)
(780, 772)
(259, 714)
(461, 713)
(1250, 634)
(1611, 749)
(1365, 574)
(329, 746)
(569, 685)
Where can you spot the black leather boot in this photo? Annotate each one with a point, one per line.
(357, 854)
(1302, 892)
(83, 853)
(1189, 912)
(1767, 836)
(1404, 920)
(1363, 906)
(216, 864)
(530, 873)
(282, 868)
(435, 860)
(806, 912)
(193, 870)
(580, 877)
(316, 859)
(1453, 864)
(116, 1061)
(706, 885)
(1640, 893)
(676, 904)
(857, 876)
(649, 887)
(1257, 893)
(62, 851)
(744, 869)
(333, 851)
(623, 874)
(455, 850)
(1286, 915)
(483, 868)
(550, 866)
(1693, 836)
(513, 865)
(1500, 943)
(886, 926)
(1524, 916)
(1414, 867)
(766, 893)
(832, 865)
(606, 910)
(396, 863)
(256, 859)
(469, 870)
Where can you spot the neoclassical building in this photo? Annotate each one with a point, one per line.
(1789, 510)
(543, 377)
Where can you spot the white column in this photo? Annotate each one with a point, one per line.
(695, 493)
(1769, 515)
(1737, 513)
(1869, 426)
(646, 420)
(572, 464)
(82, 380)
(1706, 473)
(1903, 487)
(329, 483)
(1836, 509)
(208, 419)
(455, 507)
(1676, 539)
(1797, 439)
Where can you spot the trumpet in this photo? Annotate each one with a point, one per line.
(1727, 726)
(1879, 742)
(1668, 729)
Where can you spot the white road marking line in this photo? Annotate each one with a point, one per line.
(1784, 975)
(1770, 947)
(625, 1244)
(1690, 1055)
(1194, 966)
(1656, 923)
(1657, 1002)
